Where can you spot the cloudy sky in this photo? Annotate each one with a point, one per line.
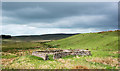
(36, 18)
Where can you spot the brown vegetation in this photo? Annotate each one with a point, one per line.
(106, 61)
(80, 67)
(6, 62)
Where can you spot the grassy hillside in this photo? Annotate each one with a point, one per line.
(91, 41)
(41, 37)
(103, 46)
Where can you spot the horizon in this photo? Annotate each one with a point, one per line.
(38, 18)
(58, 33)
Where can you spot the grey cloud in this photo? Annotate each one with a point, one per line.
(50, 15)
(32, 11)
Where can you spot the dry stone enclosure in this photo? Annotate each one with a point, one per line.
(60, 53)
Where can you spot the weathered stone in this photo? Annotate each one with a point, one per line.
(60, 53)
(42, 55)
(63, 54)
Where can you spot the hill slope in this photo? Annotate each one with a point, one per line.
(92, 41)
(42, 37)
(103, 46)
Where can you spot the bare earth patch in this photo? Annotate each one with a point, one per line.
(80, 67)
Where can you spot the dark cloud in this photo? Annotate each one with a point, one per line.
(100, 15)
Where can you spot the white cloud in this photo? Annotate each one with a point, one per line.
(29, 30)
(50, 28)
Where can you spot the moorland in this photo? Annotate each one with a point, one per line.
(16, 51)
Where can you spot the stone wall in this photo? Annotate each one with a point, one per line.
(60, 53)
(42, 55)
(63, 54)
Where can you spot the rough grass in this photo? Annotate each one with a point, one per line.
(92, 41)
(103, 46)
(32, 62)
(17, 46)
(100, 44)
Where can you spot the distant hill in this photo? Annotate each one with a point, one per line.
(42, 37)
(106, 40)
(5, 36)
